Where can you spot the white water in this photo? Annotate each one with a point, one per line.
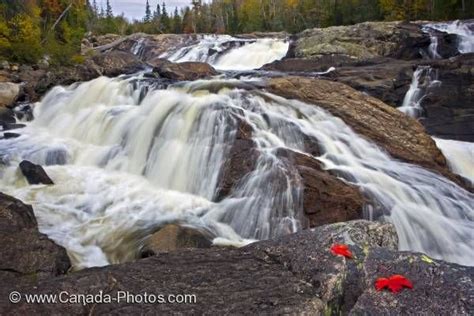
(225, 52)
(460, 156)
(464, 31)
(423, 79)
(122, 168)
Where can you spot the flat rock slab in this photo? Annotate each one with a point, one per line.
(296, 274)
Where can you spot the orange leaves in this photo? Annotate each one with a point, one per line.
(341, 250)
(395, 283)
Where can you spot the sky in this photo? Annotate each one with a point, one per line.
(135, 9)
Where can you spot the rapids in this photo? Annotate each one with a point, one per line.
(225, 52)
(127, 157)
(464, 30)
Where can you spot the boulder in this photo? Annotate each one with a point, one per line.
(9, 93)
(295, 274)
(116, 63)
(401, 136)
(9, 135)
(186, 71)
(384, 78)
(326, 199)
(7, 116)
(34, 174)
(449, 106)
(27, 255)
(364, 41)
(173, 237)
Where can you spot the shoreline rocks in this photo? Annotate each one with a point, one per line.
(292, 274)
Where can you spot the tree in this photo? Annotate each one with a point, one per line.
(165, 20)
(108, 10)
(157, 13)
(147, 17)
(177, 23)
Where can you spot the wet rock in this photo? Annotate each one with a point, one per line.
(27, 255)
(7, 116)
(402, 137)
(9, 126)
(174, 237)
(242, 160)
(186, 71)
(364, 41)
(34, 174)
(10, 135)
(9, 93)
(449, 106)
(326, 199)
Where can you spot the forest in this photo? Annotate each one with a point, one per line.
(31, 29)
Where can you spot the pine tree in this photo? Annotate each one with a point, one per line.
(165, 20)
(108, 10)
(157, 13)
(177, 23)
(147, 18)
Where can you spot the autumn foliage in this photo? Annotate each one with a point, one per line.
(341, 250)
(394, 283)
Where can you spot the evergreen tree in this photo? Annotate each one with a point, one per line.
(165, 20)
(147, 17)
(177, 23)
(157, 13)
(108, 11)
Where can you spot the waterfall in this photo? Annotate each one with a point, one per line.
(460, 157)
(463, 30)
(225, 52)
(424, 78)
(125, 163)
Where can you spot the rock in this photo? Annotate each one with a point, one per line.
(326, 199)
(8, 126)
(35, 174)
(295, 274)
(186, 71)
(384, 78)
(117, 63)
(9, 93)
(27, 255)
(435, 284)
(10, 135)
(364, 41)
(43, 64)
(173, 237)
(7, 116)
(449, 106)
(402, 137)
(4, 65)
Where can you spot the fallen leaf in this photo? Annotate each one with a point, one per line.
(427, 259)
(341, 250)
(395, 283)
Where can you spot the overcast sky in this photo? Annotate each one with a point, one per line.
(135, 9)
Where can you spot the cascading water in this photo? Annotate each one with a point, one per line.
(225, 52)
(424, 78)
(460, 157)
(464, 30)
(124, 165)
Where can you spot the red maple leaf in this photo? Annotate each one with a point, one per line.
(341, 250)
(395, 283)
